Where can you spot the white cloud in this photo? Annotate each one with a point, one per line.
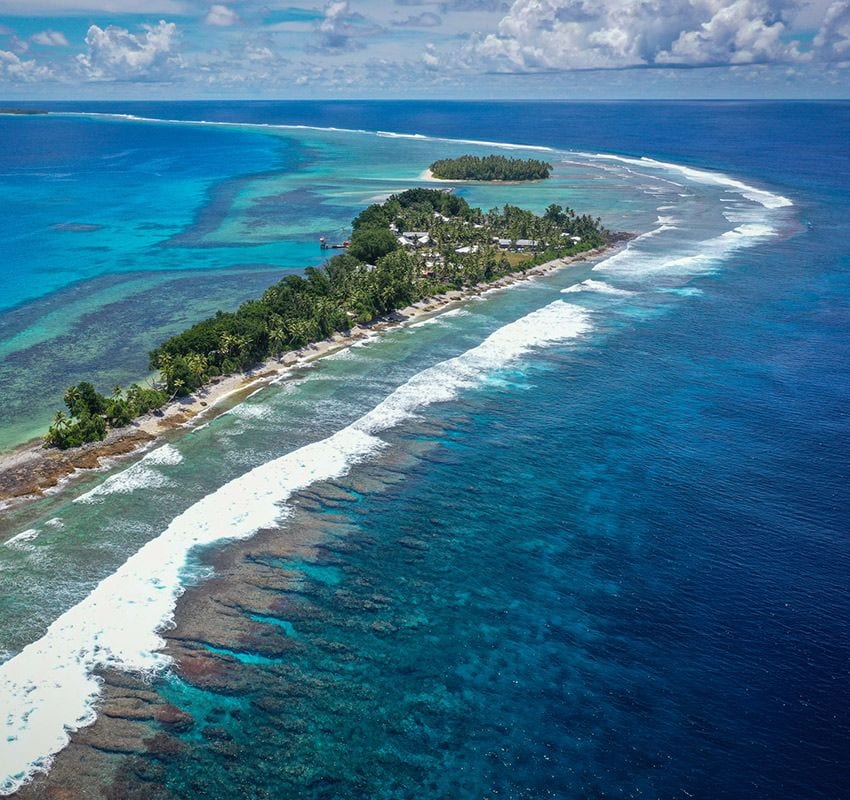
(116, 54)
(343, 29)
(833, 40)
(51, 38)
(745, 32)
(334, 27)
(14, 69)
(430, 58)
(582, 34)
(221, 16)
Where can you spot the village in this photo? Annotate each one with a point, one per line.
(444, 236)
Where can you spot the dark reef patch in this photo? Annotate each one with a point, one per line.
(77, 227)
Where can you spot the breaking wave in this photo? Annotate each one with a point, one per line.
(601, 287)
(50, 688)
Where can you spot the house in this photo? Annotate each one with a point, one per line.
(415, 238)
(470, 248)
(526, 244)
(504, 244)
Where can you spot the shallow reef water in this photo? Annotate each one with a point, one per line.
(585, 539)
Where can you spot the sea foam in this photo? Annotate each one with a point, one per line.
(50, 687)
(167, 454)
(23, 537)
(704, 257)
(761, 196)
(600, 287)
(139, 476)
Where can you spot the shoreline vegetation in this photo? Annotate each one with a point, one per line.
(416, 244)
(405, 284)
(490, 168)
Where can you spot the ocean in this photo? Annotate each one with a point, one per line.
(583, 537)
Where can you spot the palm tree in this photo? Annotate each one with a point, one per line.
(198, 366)
(277, 337)
(166, 366)
(231, 344)
(72, 397)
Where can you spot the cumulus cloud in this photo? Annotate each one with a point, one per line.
(221, 16)
(116, 54)
(343, 29)
(13, 68)
(430, 59)
(582, 34)
(832, 43)
(50, 38)
(335, 28)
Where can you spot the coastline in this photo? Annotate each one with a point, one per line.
(30, 471)
(427, 175)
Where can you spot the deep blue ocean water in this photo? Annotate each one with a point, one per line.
(632, 578)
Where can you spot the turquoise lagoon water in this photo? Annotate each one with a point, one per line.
(121, 232)
(625, 484)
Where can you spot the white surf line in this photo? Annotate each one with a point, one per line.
(137, 476)
(49, 688)
(477, 142)
(764, 197)
(269, 126)
(25, 536)
(634, 262)
(591, 285)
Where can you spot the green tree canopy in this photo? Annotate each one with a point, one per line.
(370, 244)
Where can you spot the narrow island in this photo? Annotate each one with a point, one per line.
(417, 244)
(26, 112)
(490, 168)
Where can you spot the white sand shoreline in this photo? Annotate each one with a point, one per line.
(31, 471)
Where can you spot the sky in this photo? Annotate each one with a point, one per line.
(484, 49)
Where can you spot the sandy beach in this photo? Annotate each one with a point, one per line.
(30, 470)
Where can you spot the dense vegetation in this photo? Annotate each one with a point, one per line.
(490, 168)
(382, 271)
(90, 413)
